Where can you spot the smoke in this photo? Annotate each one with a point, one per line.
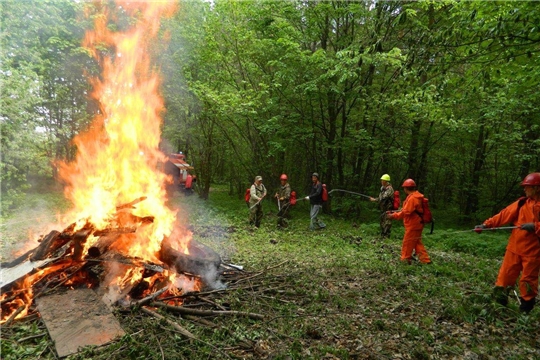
(208, 227)
(211, 279)
(118, 282)
(28, 224)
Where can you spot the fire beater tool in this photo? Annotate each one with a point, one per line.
(347, 191)
(486, 229)
(495, 228)
(257, 203)
(350, 192)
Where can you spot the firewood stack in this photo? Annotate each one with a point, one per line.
(62, 259)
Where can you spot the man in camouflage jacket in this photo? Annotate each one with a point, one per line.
(386, 203)
(283, 197)
(258, 192)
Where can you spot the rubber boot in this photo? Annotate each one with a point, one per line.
(526, 305)
(500, 295)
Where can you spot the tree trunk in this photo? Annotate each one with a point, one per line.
(412, 161)
(471, 193)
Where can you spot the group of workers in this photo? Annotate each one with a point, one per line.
(522, 253)
(283, 196)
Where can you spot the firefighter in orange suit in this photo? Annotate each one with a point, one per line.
(412, 220)
(523, 250)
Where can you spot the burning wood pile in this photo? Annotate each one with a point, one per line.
(66, 264)
(69, 258)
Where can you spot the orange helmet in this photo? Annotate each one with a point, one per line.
(283, 177)
(409, 183)
(533, 179)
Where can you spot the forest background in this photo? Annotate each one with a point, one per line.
(444, 92)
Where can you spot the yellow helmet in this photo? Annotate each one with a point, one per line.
(385, 177)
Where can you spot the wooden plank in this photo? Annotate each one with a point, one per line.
(77, 318)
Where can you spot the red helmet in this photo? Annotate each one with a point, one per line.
(533, 179)
(409, 183)
(283, 177)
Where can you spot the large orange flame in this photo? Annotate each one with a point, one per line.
(118, 156)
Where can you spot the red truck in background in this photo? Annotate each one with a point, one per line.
(181, 171)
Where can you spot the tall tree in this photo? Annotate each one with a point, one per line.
(44, 88)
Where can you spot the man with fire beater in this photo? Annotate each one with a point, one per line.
(257, 193)
(283, 198)
(412, 220)
(316, 200)
(386, 203)
(523, 249)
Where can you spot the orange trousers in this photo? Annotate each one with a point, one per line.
(413, 241)
(528, 266)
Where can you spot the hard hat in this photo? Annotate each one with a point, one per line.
(315, 174)
(283, 177)
(409, 183)
(385, 177)
(533, 179)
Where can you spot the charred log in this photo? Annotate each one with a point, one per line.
(201, 259)
(55, 240)
(46, 246)
(78, 244)
(102, 245)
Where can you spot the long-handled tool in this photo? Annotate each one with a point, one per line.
(479, 230)
(257, 203)
(350, 192)
(501, 228)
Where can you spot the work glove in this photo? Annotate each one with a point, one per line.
(479, 228)
(527, 227)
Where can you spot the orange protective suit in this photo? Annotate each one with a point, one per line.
(523, 250)
(413, 228)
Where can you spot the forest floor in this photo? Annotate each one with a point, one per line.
(337, 293)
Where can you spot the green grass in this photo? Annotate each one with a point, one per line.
(337, 293)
